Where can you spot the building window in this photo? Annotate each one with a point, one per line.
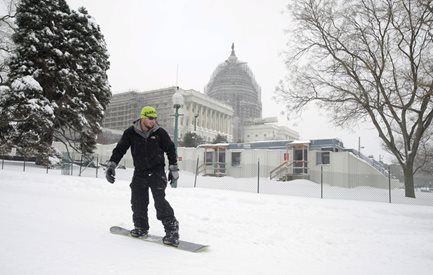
(323, 158)
(300, 161)
(209, 158)
(236, 158)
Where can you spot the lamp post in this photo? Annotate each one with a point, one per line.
(177, 103)
(195, 122)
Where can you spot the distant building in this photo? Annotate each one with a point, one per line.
(267, 129)
(320, 160)
(233, 83)
(231, 106)
(206, 117)
(200, 113)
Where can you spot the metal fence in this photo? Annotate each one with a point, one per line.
(93, 167)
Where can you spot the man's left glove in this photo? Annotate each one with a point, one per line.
(173, 174)
(110, 172)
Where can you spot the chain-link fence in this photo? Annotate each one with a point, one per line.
(357, 187)
(77, 165)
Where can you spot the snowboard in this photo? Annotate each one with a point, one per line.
(183, 245)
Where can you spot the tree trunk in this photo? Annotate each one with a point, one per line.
(44, 152)
(409, 188)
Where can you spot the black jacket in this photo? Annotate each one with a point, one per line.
(147, 149)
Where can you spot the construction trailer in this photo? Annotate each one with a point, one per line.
(321, 160)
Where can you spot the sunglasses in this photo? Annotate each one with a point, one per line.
(151, 118)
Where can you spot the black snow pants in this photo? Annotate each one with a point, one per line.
(156, 181)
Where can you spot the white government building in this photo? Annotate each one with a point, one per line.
(230, 106)
(200, 113)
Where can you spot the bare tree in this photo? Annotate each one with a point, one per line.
(7, 14)
(369, 60)
(424, 158)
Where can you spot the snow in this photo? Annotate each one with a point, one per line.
(57, 224)
(33, 49)
(301, 142)
(4, 89)
(49, 109)
(59, 53)
(92, 24)
(37, 104)
(26, 82)
(48, 32)
(33, 37)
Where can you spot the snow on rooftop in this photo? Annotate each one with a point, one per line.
(301, 142)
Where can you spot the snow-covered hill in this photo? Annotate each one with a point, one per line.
(53, 224)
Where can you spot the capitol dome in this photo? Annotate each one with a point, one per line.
(233, 83)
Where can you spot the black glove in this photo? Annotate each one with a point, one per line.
(173, 174)
(110, 172)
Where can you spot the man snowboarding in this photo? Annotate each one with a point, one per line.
(148, 143)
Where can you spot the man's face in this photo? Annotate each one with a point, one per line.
(148, 122)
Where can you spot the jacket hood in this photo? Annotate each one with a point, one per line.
(137, 129)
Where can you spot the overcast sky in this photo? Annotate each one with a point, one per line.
(156, 44)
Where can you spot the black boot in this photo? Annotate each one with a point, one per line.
(171, 238)
(171, 233)
(138, 233)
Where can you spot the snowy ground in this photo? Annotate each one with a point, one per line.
(54, 224)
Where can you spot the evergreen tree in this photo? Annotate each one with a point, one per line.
(191, 140)
(62, 53)
(89, 88)
(219, 139)
(29, 115)
(26, 109)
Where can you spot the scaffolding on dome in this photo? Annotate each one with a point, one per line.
(234, 83)
(243, 67)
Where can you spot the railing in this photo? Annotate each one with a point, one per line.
(283, 167)
(200, 169)
(212, 169)
(380, 167)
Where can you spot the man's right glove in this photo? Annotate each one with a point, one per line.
(173, 174)
(110, 172)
